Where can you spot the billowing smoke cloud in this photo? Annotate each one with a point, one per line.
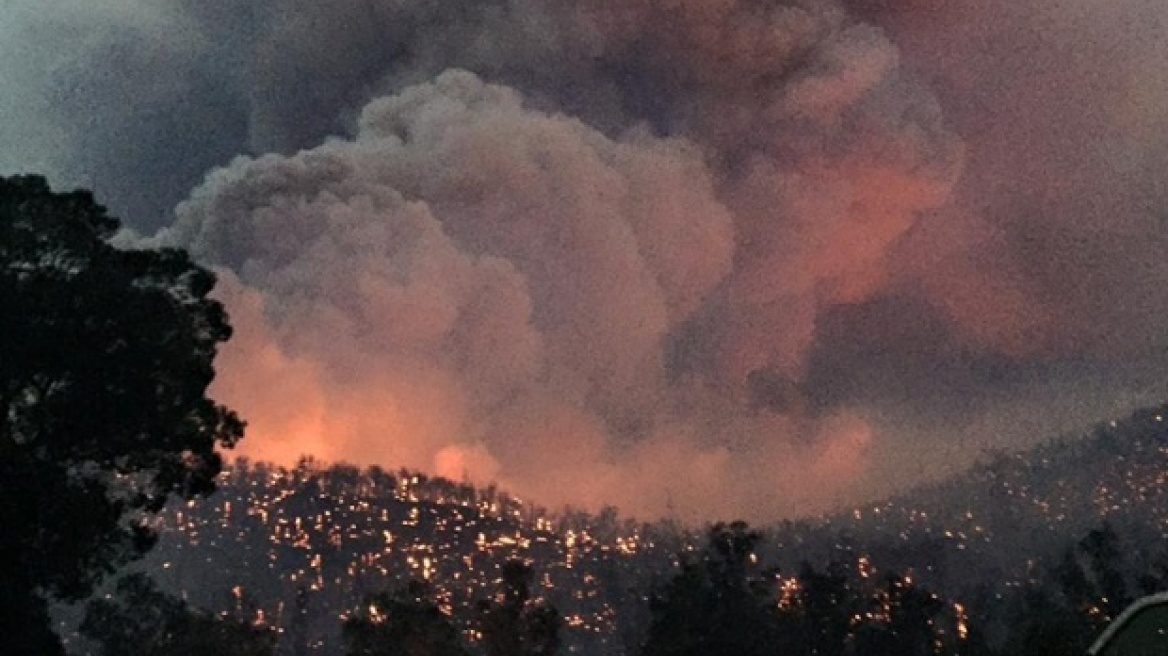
(1051, 251)
(472, 285)
(716, 256)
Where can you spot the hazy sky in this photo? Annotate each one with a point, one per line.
(708, 257)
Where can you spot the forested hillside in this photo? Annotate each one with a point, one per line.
(300, 549)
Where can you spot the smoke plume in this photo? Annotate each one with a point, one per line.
(712, 257)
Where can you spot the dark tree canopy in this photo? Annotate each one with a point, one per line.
(105, 358)
(515, 624)
(717, 604)
(141, 620)
(405, 623)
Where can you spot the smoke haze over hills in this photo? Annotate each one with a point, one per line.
(719, 257)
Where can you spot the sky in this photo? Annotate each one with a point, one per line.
(691, 258)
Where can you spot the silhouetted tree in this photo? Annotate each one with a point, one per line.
(295, 639)
(516, 625)
(907, 626)
(824, 612)
(105, 357)
(1076, 588)
(1060, 613)
(715, 605)
(1098, 592)
(1107, 566)
(406, 623)
(141, 620)
(1042, 625)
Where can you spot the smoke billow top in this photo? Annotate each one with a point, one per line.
(714, 257)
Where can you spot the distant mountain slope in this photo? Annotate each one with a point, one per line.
(300, 548)
(1009, 514)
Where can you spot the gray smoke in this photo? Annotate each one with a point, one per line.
(732, 257)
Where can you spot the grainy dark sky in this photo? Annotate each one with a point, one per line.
(724, 257)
